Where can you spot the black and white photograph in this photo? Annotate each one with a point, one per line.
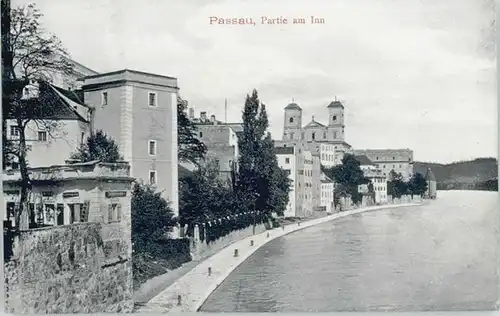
(164, 156)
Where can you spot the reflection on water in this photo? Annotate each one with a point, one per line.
(441, 256)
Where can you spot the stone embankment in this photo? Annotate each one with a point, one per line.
(189, 292)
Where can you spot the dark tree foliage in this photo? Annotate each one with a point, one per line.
(151, 217)
(396, 186)
(348, 176)
(260, 179)
(417, 184)
(190, 148)
(98, 146)
(203, 196)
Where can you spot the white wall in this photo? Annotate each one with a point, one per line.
(289, 162)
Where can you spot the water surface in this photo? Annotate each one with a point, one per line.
(440, 256)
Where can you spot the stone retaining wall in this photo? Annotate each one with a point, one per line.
(69, 269)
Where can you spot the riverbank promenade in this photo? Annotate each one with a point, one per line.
(190, 291)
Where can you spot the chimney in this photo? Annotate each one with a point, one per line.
(191, 113)
(203, 116)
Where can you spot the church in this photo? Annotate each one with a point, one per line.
(315, 132)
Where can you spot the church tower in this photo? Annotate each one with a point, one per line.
(293, 122)
(336, 121)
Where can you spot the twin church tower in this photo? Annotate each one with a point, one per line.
(314, 131)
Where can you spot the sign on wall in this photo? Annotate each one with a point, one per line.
(113, 194)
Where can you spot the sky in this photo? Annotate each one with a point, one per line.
(418, 74)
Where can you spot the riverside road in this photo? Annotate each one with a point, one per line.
(439, 256)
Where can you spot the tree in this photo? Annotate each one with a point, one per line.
(260, 179)
(396, 186)
(33, 56)
(348, 176)
(417, 184)
(190, 148)
(98, 146)
(151, 217)
(203, 196)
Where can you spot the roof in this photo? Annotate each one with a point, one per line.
(54, 103)
(314, 123)
(183, 172)
(364, 160)
(283, 150)
(130, 71)
(325, 178)
(429, 176)
(335, 104)
(293, 106)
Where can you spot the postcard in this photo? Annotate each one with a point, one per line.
(249, 156)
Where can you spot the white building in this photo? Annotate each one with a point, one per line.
(287, 159)
(399, 160)
(327, 155)
(306, 182)
(376, 177)
(327, 193)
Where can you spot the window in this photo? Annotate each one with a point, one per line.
(335, 135)
(42, 136)
(383, 166)
(291, 120)
(302, 136)
(201, 134)
(313, 135)
(394, 166)
(291, 135)
(82, 137)
(377, 158)
(152, 177)
(288, 172)
(14, 131)
(393, 158)
(334, 118)
(114, 212)
(324, 135)
(104, 99)
(152, 147)
(287, 160)
(152, 101)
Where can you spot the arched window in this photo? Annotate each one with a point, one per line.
(291, 120)
(334, 117)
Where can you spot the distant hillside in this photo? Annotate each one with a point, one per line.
(461, 174)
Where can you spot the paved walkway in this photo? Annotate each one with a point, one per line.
(196, 285)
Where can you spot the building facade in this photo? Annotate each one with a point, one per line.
(377, 178)
(222, 146)
(61, 126)
(399, 160)
(430, 178)
(75, 193)
(316, 132)
(327, 193)
(287, 160)
(139, 111)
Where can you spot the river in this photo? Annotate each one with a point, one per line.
(436, 257)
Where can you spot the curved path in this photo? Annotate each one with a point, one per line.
(197, 285)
